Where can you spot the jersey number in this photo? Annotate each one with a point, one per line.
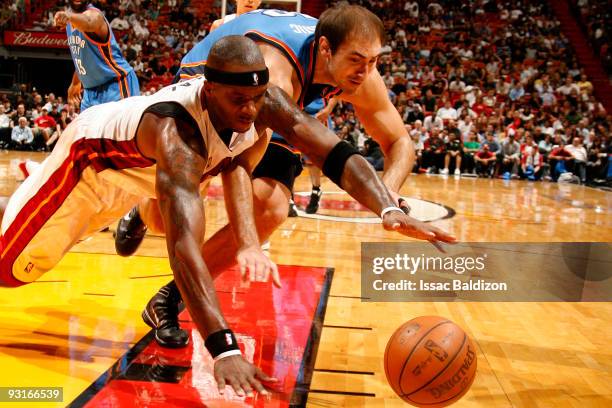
(80, 66)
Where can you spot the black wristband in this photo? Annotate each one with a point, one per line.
(221, 342)
(336, 159)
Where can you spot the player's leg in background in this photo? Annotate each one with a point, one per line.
(316, 193)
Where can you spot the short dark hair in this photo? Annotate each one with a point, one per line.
(339, 22)
(235, 50)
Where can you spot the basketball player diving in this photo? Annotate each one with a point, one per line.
(163, 147)
(308, 60)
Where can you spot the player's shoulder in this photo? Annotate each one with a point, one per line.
(277, 21)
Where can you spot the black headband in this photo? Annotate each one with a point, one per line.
(250, 78)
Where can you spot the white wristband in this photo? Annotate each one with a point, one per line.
(228, 354)
(389, 209)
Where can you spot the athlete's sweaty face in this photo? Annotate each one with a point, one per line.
(353, 62)
(78, 5)
(236, 107)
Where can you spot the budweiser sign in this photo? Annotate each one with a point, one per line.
(37, 39)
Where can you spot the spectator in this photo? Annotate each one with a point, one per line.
(434, 151)
(418, 149)
(5, 128)
(429, 102)
(568, 86)
(470, 149)
(517, 91)
(466, 126)
(456, 85)
(579, 155)
(492, 144)
(50, 102)
(447, 112)
(413, 112)
(558, 158)
(21, 136)
(45, 126)
(509, 157)
(120, 22)
(55, 114)
(19, 112)
(598, 160)
(545, 146)
(532, 162)
(454, 150)
(485, 162)
(585, 86)
(433, 122)
(412, 8)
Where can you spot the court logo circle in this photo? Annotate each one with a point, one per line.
(422, 210)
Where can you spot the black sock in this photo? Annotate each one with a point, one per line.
(316, 188)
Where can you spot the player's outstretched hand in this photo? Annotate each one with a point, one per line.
(406, 225)
(61, 19)
(255, 266)
(241, 375)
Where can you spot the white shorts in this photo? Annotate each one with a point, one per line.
(62, 202)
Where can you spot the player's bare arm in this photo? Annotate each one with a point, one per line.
(216, 24)
(282, 73)
(180, 164)
(179, 169)
(238, 194)
(382, 121)
(89, 21)
(350, 171)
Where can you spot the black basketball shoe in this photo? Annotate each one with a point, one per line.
(161, 314)
(292, 209)
(313, 204)
(130, 233)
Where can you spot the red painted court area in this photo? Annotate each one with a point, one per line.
(278, 330)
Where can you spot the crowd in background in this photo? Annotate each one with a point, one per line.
(488, 88)
(595, 16)
(153, 35)
(8, 10)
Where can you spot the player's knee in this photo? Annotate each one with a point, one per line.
(271, 202)
(272, 209)
(275, 216)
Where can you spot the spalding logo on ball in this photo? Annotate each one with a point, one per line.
(430, 362)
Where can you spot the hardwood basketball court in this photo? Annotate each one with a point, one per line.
(79, 320)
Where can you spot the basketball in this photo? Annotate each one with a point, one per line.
(430, 361)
